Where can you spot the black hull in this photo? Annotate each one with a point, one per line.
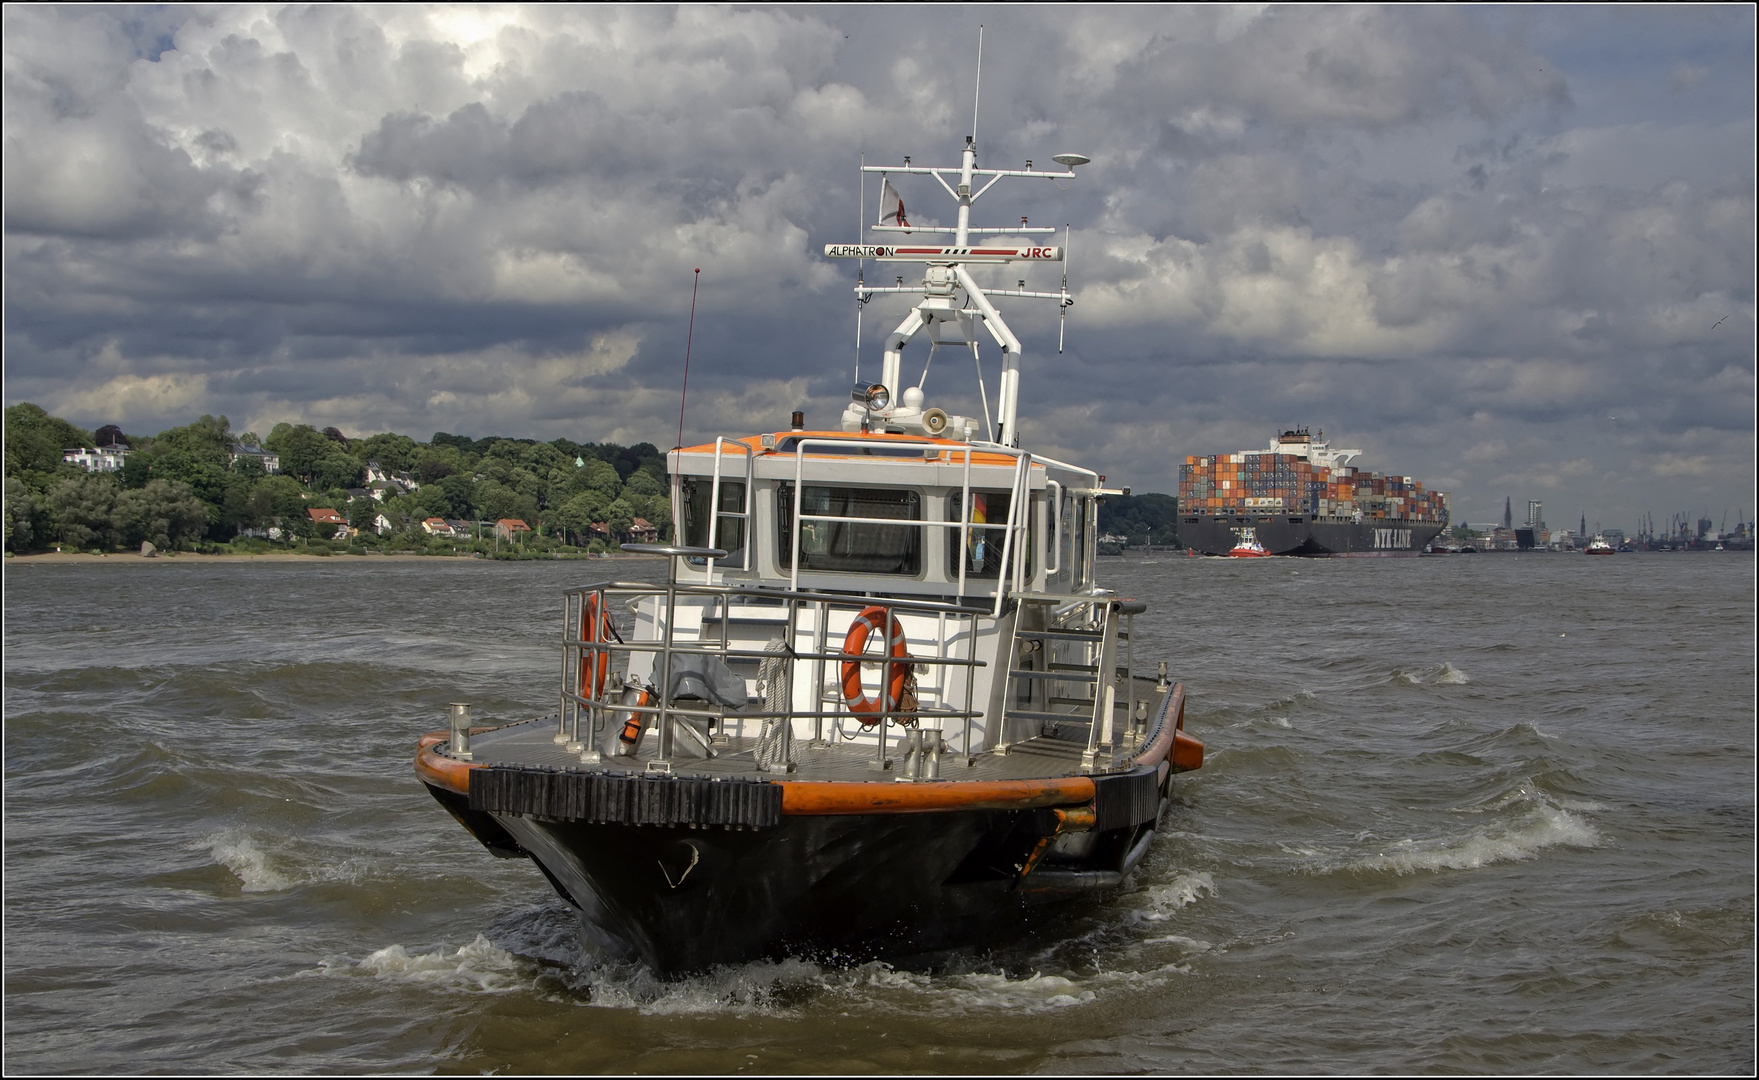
(849, 886)
(1295, 534)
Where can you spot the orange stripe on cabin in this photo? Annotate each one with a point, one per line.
(754, 444)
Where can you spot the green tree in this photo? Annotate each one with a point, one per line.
(577, 515)
(435, 468)
(164, 513)
(302, 448)
(207, 440)
(595, 476)
(460, 494)
(197, 455)
(643, 483)
(21, 508)
(235, 508)
(83, 508)
(34, 439)
(338, 470)
(619, 515)
(361, 514)
(250, 466)
(279, 499)
(203, 475)
(432, 501)
(395, 453)
(500, 501)
(137, 469)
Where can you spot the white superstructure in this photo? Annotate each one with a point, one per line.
(1299, 444)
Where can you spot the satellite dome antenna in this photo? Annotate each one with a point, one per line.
(1071, 160)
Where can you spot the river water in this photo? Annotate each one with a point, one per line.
(1488, 813)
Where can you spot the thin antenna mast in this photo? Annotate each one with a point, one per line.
(689, 336)
(1063, 308)
(860, 238)
(977, 93)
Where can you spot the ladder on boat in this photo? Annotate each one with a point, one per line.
(1061, 645)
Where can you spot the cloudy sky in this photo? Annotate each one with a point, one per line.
(1508, 251)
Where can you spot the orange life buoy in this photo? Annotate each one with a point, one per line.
(595, 627)
(867, 709)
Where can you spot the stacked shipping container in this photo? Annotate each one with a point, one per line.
(1260, 483)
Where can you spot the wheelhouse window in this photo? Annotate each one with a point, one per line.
(850, 546)
(981, 550)
(729, 534)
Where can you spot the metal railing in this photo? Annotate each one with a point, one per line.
(1097, 629)
(588, 710)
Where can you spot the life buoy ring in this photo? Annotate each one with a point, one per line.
(870, 710)
(635, 722)
(595, 628)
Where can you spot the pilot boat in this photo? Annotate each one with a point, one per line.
(879, 706)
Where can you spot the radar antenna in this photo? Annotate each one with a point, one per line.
(949, 317)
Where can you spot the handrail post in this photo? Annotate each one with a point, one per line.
(714, 510)
(1104, 689)
(567, 707)
(1002, 579)
(745, 522)
(970, 683)
(663, 763)
(1056, 510)
(820, 639)
(964, 522)
(460, 746)
(794, 523)
(1130, 667)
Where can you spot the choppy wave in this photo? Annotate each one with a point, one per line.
(262, 865)
(478, 966)
(1545, 826)
(1157, 903)
(1443, 674)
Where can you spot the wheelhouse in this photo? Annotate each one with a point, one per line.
(835, 511)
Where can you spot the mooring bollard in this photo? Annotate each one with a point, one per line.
(461, 731)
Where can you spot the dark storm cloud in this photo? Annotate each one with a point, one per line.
(1490, 246)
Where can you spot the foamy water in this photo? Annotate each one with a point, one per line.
(1482, 814)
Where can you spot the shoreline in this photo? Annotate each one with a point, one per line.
(59, 558)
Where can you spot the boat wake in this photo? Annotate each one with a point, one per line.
(539, 951)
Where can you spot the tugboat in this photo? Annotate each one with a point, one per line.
(880, 705)
(1599, 546)
(1246, 545)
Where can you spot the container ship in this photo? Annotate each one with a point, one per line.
(1299, 496)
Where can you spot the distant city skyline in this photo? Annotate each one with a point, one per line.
(1508, 251)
